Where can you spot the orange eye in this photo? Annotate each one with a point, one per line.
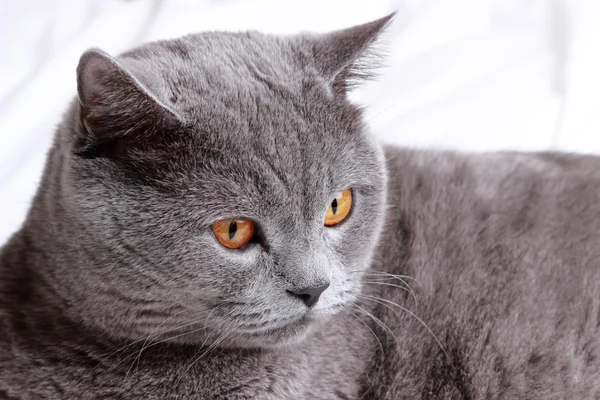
(339, 208)
(233, 233)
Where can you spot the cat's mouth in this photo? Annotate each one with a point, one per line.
(265, 334)
(290, 332)
(308, 317)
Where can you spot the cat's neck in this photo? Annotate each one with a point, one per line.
(27, 259)
(30, 301)
(36, 330)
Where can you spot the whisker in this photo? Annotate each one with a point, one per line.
(381, 278)
(370, 330)
(174, 337)
(379, 322)
(382, 358)
(407, 288)
(121, 349)
(383, 301)
(156, 344)
(112, 367)
(382, 273)
(210, 348)
(388, 274)
(190, 322)
(150, 336)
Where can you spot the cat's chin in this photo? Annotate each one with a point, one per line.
(280, 337)
(286, 335)
(290, 334)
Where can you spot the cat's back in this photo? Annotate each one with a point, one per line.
(502, 252)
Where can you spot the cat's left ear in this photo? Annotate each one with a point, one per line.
(116, 107)
(347, 57)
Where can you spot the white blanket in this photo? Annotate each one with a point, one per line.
(464, 74)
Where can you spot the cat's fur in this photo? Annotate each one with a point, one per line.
(115, 286)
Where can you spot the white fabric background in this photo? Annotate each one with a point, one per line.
(464, 74)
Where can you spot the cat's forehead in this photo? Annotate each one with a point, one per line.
(241, 86)
(247, 82)
(257, 103)
(217, 67)
(300, 153)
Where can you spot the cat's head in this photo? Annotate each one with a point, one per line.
(219, 183)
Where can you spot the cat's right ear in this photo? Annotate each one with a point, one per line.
(348, 56)
(114, 105)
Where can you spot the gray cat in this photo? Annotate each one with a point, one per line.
(215, 222)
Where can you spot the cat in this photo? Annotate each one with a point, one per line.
(215, 221)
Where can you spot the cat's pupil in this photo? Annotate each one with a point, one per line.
(232, 229)
(334, 206)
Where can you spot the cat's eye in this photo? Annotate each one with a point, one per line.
(339, 209)
(233, 233)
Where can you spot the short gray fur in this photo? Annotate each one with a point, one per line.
(115, 286)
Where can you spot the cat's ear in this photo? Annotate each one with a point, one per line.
(114, 105)
(347, 56)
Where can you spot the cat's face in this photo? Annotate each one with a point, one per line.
(178, 135)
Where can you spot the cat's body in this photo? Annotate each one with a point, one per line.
(504, 250)
(500, 250)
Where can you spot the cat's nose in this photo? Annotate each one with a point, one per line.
(309, 295)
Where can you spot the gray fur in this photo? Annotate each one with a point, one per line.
(115, 286)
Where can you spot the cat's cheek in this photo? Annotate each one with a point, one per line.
(333, 235)
(343, 241)
(249, 268)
